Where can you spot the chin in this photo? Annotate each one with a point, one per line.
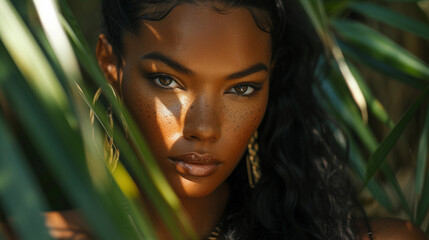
(192, 189)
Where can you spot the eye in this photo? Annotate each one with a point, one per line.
(243, 90)
(164, 81)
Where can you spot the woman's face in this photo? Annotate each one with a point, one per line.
(197, 84)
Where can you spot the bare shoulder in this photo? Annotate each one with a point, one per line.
(394, 229)
(64, 225)
(67, 225)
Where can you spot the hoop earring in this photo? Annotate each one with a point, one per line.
(110, 151)
(252, 161)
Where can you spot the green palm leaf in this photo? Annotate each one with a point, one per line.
(50, 130)
(421, 184)
(20, 195)
(379, 155)
(369, 44)
(392, 18)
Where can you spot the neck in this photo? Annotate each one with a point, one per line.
(203, 213)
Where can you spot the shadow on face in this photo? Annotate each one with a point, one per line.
(197, 84)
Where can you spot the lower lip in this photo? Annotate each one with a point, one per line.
(194, 169)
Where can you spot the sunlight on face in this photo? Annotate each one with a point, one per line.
(197, 84)
(164, 115)
(154, 31)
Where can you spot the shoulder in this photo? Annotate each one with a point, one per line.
(393, 229)
(67, 225)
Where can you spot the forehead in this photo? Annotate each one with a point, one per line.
(200, 35)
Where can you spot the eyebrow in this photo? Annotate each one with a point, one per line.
(157, 56)
(248, 71)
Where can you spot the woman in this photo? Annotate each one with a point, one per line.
(222, 91)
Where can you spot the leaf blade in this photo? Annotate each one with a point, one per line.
(380, 48)
(422, 156)
(378, 156)
(392, 18)
(19, 193)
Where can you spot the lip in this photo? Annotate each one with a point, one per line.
(195, 164)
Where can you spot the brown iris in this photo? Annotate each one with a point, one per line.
(165, 80)
(241, 88)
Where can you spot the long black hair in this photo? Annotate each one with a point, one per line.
(305, 191)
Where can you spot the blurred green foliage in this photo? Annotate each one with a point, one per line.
(52, 156)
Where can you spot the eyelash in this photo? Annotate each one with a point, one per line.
(254, 86)
(155, 78)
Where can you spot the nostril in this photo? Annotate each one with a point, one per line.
(201, 135)
(192, 137)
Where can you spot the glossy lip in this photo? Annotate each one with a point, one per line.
(195, 164)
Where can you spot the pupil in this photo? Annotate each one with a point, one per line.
(241, 89)
(165, 81)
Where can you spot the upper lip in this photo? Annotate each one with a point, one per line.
(195, 158)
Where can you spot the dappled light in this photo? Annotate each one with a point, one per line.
(153, 31)
(215, 121)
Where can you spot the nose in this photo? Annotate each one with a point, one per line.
(202, 120)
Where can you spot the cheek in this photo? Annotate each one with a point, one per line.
(158, 113)
(240, 124)
(244, 118)
(147, 110)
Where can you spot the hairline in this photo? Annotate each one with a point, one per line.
(252, 10)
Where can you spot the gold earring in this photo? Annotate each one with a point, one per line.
(110, 151)
(252, 161)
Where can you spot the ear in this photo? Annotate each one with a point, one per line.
(108, 62)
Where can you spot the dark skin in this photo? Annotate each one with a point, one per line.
(195, 85)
